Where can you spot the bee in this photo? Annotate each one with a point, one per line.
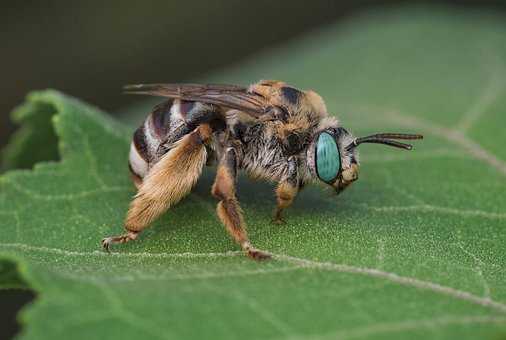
(270, 130)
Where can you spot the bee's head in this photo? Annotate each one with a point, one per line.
(330, 160)
(333, 155)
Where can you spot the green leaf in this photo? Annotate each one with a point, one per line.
(35, 141)
(415, 248)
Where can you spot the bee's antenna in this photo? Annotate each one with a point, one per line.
(385, 138)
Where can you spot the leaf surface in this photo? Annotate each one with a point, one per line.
(415, 248)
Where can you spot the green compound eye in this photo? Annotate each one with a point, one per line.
(328, 159)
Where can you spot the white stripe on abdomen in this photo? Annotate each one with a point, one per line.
(139, 165)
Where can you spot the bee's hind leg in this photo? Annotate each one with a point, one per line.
(129, 236)
(228, 208)
(286, 191)
(170, 179)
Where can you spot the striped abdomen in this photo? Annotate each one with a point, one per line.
(165, 125)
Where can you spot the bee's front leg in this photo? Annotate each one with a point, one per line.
(228, 208)
(286, 190)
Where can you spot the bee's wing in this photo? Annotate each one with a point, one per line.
(229, 96)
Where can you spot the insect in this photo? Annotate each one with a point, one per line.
(269, 130)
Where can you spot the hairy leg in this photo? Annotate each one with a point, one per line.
(285, 194)
(286, 190)
(167, 182)
(228, 208)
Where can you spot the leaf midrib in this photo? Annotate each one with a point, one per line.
(298, 261)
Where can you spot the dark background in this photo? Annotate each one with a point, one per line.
(89, 49)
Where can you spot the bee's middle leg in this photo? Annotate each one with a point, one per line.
(228, 208)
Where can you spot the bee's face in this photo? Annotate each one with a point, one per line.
(331, 161)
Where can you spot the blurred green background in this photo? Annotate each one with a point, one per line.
(90, 49)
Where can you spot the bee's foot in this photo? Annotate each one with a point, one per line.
(254, 253)
(278, 221)
(258, 255)
(106, 242)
